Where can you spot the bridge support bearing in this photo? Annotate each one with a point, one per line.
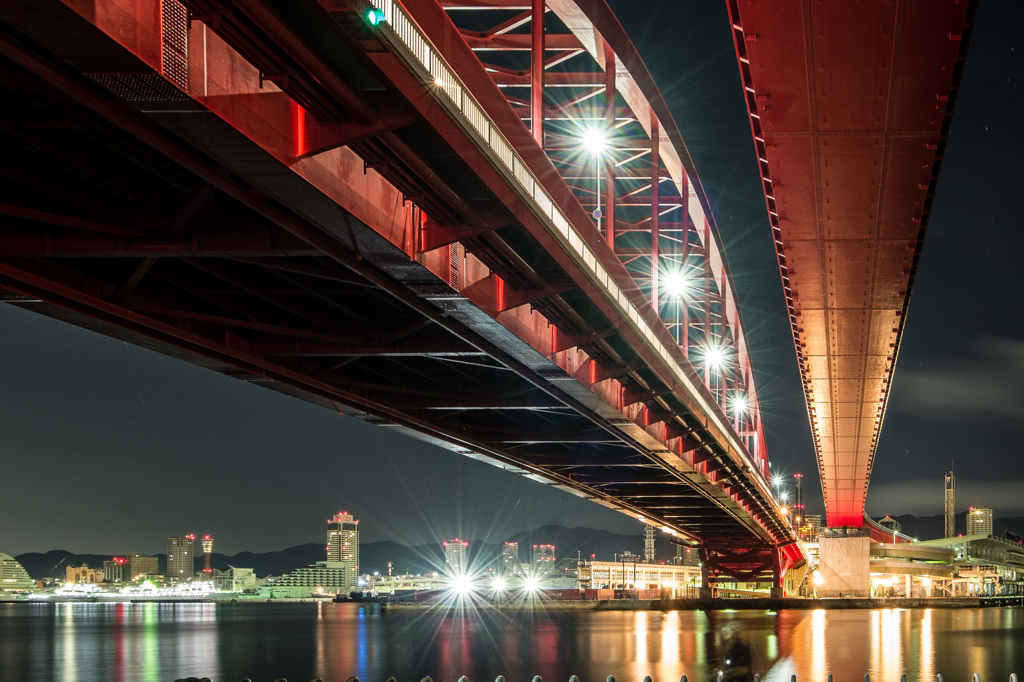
(844, 565)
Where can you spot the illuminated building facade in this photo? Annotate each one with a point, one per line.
(116, 570)
(235, 579)
(510, 559)
(83, 575)
(979, 521)
(343, 543)
(543, 559)
(181, 555)
(456, 556)
(207, 556)
(812, 522)
(678, 581)
(13, 576)
(323, 578)
(140, 565)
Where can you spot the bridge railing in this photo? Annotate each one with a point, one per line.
(411, 45)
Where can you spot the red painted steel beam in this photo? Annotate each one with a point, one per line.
(239, 347)
(850, 106)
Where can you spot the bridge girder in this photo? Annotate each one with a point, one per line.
(221, 242)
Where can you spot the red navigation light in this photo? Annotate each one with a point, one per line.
(445, 543)
(206, 537)
(191, 536)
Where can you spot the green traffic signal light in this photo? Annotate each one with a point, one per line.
(375, 16)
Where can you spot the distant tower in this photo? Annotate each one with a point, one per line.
(510, 559)
(455, 556)
(950, 503)
(181, 555)
(798, 504)
(343, 543)
(207, 555)
(648, 543)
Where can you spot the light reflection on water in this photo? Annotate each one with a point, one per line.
(80, 642)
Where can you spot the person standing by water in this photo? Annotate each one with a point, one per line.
(738, 659)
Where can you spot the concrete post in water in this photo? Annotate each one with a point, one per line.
(976, 678)
(463, 678)
(501, 678)
(903, 677)
(938, 678)
(647, 678)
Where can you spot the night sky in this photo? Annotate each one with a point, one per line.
(108, 448)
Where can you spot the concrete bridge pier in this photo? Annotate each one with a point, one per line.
(844, 564)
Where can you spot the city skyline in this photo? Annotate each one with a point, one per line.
(107, 436)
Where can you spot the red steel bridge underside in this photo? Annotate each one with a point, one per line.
(395, 219)
(850, 106)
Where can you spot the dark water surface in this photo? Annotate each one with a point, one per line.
(162, 642)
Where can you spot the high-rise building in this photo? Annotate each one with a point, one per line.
(950, 508)
(979, 521)
(116, 570)
(343, 543)
(510, 559)
(181, 556)
(140, 565)
(207, 556)
(543, 559)
(456, 556)
(812, 522)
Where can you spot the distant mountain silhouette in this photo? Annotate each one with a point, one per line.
(374, 556)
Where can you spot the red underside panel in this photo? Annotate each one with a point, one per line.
(850, 104)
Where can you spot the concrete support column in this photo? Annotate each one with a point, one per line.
(778, 574)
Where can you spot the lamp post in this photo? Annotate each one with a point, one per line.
(595, 140)
(714, 358)
(675, 285)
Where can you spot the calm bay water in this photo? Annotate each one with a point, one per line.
(163, 642)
